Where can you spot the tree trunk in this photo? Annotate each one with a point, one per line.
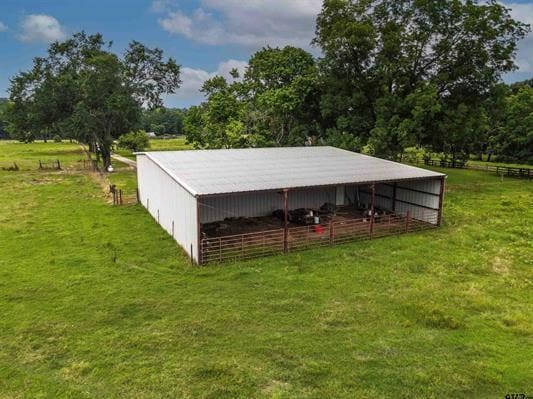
(105, 149)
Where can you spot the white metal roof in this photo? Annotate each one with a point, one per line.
(205, 172)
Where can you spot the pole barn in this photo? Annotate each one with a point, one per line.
(244, 203)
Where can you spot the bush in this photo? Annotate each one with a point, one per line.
(57, 138)
(134, 141)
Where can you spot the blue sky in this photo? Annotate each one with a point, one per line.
(206, 37)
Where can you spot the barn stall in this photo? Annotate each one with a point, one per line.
(223, 205)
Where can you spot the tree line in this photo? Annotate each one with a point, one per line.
(391, 75)
(83, 90)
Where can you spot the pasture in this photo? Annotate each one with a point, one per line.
(174, 144)
(98, 301)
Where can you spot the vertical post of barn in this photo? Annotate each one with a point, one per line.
(441, 200)
(394, 188)
(286, 220)
(372, 204)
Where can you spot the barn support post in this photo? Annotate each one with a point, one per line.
(441, 200)
(286, 220)
(372, 204)
(394, 188)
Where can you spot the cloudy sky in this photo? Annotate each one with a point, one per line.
(207, 37)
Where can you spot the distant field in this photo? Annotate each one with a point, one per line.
(27, 156)
(98, 301)
(161, 145)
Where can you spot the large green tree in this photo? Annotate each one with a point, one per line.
(281, 85)
(218, 122)
(515, 137)
(83, 90)
(3, 108)
(275, 103)
(404, 72)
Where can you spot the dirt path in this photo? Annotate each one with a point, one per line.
(125, 160)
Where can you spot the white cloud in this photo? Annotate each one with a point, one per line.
(251, 23)
(524, 13)
(40, 28)
(3, 27)
(193, 79)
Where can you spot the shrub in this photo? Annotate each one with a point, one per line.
(134, 141)
(57, 138)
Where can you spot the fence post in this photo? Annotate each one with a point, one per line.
(40, 164)
(220, 249)
(137, 195)
(58, 164)
(331, 232)
(407, 222)
(120, 196)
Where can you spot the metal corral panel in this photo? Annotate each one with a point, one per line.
(170, 204)
(263, 203)
(208, 172)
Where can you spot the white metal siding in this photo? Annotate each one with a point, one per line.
(427, 200)
(170, 204)
(414, 197)
(261, 203)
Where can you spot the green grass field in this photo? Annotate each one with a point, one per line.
(179, 143)
(98, 301)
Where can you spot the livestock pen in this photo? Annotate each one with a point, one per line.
(221, 205)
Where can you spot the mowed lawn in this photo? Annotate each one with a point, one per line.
(98, 302)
